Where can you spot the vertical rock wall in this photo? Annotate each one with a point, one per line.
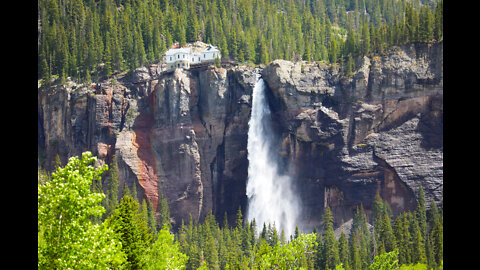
(184, 134)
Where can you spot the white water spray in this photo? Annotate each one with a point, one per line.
(270, 196)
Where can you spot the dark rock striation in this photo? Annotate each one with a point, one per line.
(184, 134)
(377, 131)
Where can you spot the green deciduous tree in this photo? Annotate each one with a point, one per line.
(385, 261)
(288, 256)
(65, 207)
(165, 253)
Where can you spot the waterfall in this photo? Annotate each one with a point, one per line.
(270, 196)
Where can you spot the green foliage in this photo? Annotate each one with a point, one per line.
(164, 213)
(418, 266)
(165, 253)
(132, 231)
(87, 39)
(67, 236)
(386, 261)
(330, 244)
(292, 255)
(111, 200)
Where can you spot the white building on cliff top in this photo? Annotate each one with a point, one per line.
(185, 57)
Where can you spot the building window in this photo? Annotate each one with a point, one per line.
(171, 58)
(183, 64)
(199, 59)
(204, 56)
(184, 56)
(178, 56)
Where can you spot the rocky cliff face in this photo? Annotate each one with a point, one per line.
(184, 134)
(379, 130)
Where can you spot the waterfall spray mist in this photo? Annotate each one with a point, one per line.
(270, 196)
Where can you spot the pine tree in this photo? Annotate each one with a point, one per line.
(152, 223)
(76, 36)
(263, 234)
(307, 56)
(132, 231)
(438, 22)
(360, 236)
(192, 25)
(107, 59)
(253, 229)
(164, 213)
(436, 236)
(365, 43)
(350, 66)
(385, 236)
(44, 70)
(283, 237)
(355, 259)
(233, 43)
(239, 219)
(421, 212)
(168, 39)
(319, 254)
(134, 191)
(426, 24)
(429, 253)
(330, 243)
(418, 247)
(111, 200)
(332, 51)
(343, 251)
(272, 235)
(350, 44)
(139, 48)
(222, 43)
(62, 54)
(58, 163)
(211, 253)
(402, 237)
(411, 24)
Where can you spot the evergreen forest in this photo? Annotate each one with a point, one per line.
(88, 40)
(82, 227)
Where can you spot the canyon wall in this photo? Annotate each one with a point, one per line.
(346, 138)
(184, 134)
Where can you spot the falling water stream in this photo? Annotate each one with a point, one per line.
(270, 196)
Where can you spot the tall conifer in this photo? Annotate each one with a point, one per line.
(330, 243)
